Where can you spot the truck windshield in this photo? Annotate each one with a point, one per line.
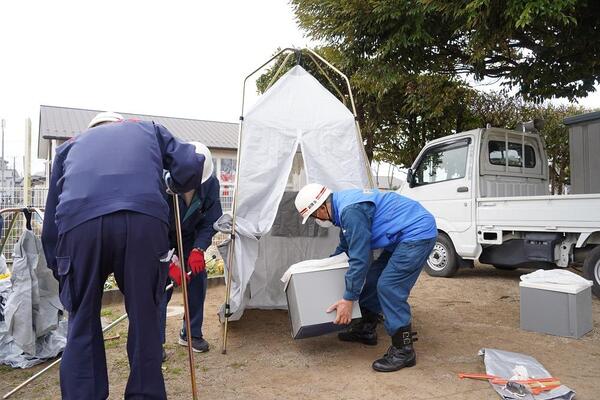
(497, 154)
(443, 163)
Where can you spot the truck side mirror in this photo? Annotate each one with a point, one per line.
(410, 178)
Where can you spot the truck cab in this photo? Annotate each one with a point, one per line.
(489, 192)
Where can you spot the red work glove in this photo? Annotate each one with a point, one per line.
(175, 272)
(196, 261)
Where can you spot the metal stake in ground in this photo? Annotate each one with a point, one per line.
(186, 307)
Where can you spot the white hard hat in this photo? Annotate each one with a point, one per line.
(107, 116)
(309, 198)
(208, 164)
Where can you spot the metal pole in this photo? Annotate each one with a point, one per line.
(230, 257)
(9, 230)
(27, 165)
(186, 307)
(55, 362)
(3, 162)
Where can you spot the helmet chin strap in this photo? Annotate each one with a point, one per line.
(328, 214)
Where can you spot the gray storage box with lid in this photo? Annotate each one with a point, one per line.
(309, 294)
(562, 310)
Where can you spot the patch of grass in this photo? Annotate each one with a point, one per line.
(111, 344)
(174, 370)
(121, 363)
(107, 312)
(5, 368)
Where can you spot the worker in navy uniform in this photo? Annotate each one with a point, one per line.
(199, 210)
(406, 233)
(106, 213)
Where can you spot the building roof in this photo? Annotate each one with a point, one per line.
(582, 118)
(64, 122)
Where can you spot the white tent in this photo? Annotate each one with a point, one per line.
(295, 114)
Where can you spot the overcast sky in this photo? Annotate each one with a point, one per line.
(174, 58)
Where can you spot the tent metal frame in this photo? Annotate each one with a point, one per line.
(316, 58)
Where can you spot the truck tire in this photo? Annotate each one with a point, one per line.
(442, 261)
(591, 269)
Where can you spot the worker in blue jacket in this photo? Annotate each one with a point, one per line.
(106, 212)
(199, 210)
(406, 233)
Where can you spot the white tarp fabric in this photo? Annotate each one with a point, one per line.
(297, 112)
(32, 306)
(556, 277)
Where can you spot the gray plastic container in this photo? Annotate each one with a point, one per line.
(561, 310)
(309, 294)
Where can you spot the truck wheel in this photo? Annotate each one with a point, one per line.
(591, 269)
(443, 260)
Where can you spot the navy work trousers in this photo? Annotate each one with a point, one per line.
(196, 296)
(390, 279)
(130, 245)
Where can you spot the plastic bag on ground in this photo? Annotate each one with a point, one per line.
(504, 363)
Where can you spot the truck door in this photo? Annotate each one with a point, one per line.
(442, 183)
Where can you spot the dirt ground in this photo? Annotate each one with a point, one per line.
(454, 317)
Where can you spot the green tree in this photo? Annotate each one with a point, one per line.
(545, 48)
(556, 138)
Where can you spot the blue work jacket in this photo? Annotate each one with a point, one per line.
(370, 219)
(197, 219)
(114, 167)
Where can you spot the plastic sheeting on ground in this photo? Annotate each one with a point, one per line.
(31, 330)
(48, 346)
(504, 363)
(297, 112)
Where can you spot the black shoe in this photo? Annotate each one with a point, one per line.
(363, 330)
(401, 353)
(164, 355)
(199, 345)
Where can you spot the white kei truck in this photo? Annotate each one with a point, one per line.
(489, 192)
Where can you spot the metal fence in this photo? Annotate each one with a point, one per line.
(13, 197)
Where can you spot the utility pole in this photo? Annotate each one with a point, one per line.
(3, 166)
(27, 166)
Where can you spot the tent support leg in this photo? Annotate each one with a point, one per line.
(227, 313)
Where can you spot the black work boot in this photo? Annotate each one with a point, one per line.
(401, 353)
(363, 330)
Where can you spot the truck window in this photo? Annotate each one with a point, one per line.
(443, 163)
(497, 154)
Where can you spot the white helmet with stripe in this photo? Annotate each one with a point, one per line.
(310, 198)
(208, 164)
